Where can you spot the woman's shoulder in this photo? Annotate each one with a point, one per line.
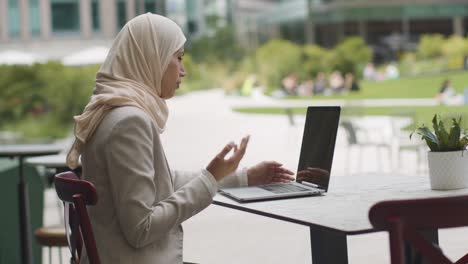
(126, 114)
(125, 121)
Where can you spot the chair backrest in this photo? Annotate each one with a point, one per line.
(350, 132)
(403, 219)
(76, 195)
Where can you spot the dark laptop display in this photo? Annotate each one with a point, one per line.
(315, 161)
(318, 145)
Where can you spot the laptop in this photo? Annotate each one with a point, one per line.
(315, 161)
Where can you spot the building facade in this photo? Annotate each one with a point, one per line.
(72, 24)
(55, 28)
(398, 22)
(26, 20)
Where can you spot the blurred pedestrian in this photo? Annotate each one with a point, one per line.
(320, 84)
(391, 72)
(336, 82)
(306, 88)
(289, 84)
(370, 73)
(447, 94)
(351, 84)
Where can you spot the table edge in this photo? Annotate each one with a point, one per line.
(295, 221)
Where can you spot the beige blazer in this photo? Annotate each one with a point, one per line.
(141, 203)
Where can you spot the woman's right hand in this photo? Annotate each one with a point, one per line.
(220, 167)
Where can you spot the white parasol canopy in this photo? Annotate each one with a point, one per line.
(12, 57)
(90, 56)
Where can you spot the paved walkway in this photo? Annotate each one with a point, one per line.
(200, 124)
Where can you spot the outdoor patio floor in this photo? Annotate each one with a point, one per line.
(199, 125)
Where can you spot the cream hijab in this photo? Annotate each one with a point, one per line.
(131, 75)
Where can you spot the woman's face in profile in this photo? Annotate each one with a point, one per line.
(173, 75)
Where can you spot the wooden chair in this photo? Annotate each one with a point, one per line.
(52, 236)
(404, 219)
(76, 195)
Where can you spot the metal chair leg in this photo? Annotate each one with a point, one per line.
(50, 255)
(60, 254)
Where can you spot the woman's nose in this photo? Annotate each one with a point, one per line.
(182, 72)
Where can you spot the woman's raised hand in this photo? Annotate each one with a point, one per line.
(221, 166)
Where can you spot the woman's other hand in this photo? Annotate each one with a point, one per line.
(314, 175)
(268, 172)
(220, 167)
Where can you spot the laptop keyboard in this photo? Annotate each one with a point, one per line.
(283, 188)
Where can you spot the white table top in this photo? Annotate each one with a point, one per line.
(51, 161)
(29, 149)
(345, 207)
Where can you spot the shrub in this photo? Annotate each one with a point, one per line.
(276, 59)
(20, 93)
(202, 75)
(454, 49)
(43, 90)
(68, 89)
(315, 58)
(430, 46)
(351, 55)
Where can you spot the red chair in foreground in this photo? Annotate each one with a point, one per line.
(76, 195)
(403, 219)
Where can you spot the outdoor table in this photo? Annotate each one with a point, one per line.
(58, 162)
(21, 152)
(342, 211)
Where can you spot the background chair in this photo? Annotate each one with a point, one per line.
(405, 219)
(359, 137)
(403, 123)
(76, 195)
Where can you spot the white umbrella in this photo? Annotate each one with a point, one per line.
(90, 56)
(11, 57)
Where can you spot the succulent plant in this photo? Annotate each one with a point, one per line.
(441, 139)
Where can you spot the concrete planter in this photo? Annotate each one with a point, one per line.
(448, 170)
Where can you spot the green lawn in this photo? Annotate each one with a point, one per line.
(418, 87)
(421, 114)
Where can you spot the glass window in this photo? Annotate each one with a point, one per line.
(34, 17)
(121, 14)
(95, 15)
(13, 19)
(65, 16)
(150, 7)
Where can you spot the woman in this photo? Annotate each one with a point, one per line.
(142, 203)
(448, 95)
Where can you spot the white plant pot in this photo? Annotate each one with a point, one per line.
(448, 170)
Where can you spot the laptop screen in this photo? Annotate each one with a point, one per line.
(318, 145)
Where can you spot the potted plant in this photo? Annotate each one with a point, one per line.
(447, 158)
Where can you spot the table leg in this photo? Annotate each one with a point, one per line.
(328, 247)
(25, 226)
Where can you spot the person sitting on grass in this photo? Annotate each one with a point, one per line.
(447, 94)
